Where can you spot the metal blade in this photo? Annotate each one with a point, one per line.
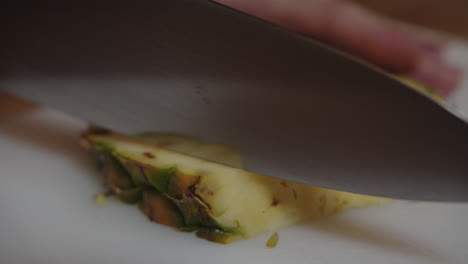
(298, 110)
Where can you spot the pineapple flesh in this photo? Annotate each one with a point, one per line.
(191, 185)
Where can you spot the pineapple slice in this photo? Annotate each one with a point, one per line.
(222, 202)
(191, 146)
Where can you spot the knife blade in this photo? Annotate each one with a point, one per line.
(297, 109)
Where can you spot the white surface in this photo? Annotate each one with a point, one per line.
(48, 215)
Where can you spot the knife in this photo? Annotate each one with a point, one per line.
(297, 109)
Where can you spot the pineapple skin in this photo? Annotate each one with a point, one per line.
(222, 203)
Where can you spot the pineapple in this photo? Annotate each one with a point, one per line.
(191, 185)
(191, 146)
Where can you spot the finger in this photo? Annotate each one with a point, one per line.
(342, 24)
(360, 32)
(437, 74)
(393, 46)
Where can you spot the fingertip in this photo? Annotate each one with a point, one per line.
(437, 74)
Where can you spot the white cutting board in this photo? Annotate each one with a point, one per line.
(48, 215)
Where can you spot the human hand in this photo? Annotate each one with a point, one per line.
(352, 28)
